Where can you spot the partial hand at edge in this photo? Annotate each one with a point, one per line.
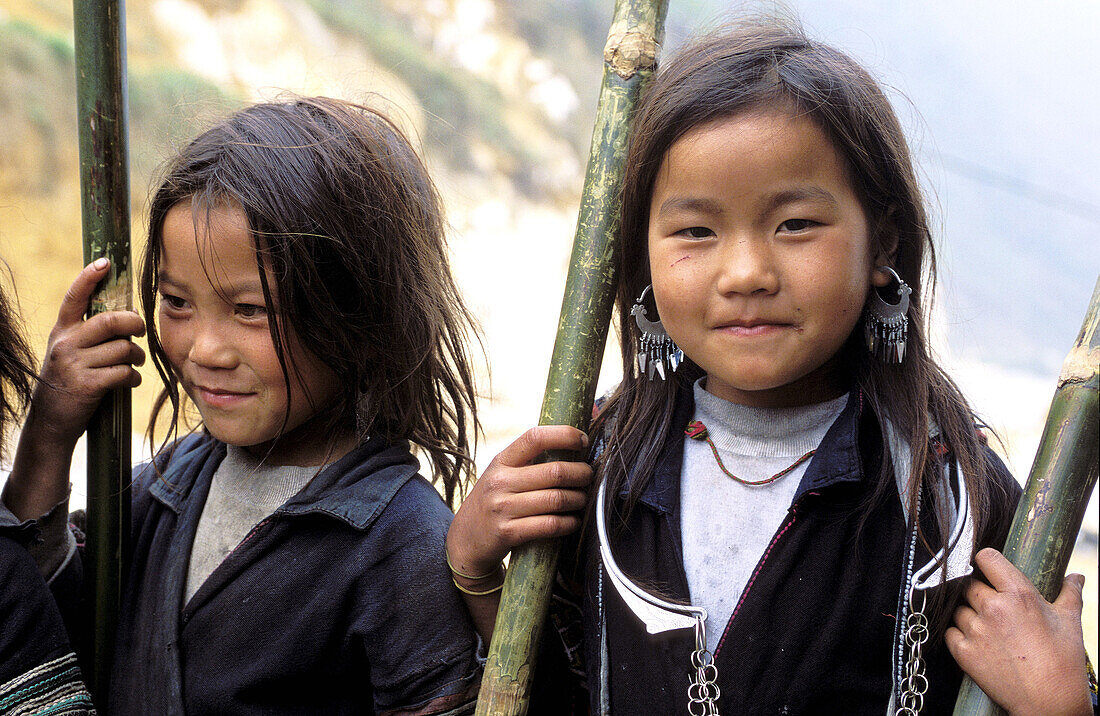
(1026, 653)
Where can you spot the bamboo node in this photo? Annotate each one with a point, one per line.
(115, 296)
(630, 50)
(1080, 366)
(503, 693)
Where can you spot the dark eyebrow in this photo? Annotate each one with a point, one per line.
(690, 203)
(250, 287)
(802, 193)
(163, 279)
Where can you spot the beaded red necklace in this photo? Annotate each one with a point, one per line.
(697, 431)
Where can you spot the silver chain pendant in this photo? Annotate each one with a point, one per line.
(703, 692)
(914, 684)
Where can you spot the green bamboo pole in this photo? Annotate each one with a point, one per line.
(99, 29)
(630, 57)
(1062, 478)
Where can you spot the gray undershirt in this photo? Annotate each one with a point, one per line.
(243, 491)
(726, 526)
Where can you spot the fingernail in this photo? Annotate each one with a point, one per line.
(584, 440)
(100, 263)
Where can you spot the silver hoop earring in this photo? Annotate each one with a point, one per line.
(655, 348)
(886, 325)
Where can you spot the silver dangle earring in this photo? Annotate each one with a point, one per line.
(886, 325)
(655, 348)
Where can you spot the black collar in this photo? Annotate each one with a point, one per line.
(836, 460)
(354, 489)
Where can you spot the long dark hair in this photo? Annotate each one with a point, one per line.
(773, 64)
(347, 221)
(17, 368)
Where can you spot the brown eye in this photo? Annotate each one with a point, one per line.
(793, 226)
(250, 310)
(173, 302)
(696, 232)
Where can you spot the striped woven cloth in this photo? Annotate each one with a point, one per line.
(51, 689)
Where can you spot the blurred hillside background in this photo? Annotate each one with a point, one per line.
(996, 98)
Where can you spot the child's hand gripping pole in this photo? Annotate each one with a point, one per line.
(1062, 478)
(85, 360)
(630, 57)
(100, 46)
(515, 501)
(1023, 651)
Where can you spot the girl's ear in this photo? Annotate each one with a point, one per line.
(884, 247)
(879, 278)
(883, 257)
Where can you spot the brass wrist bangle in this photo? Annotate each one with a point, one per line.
(470, 577)
(472, 593)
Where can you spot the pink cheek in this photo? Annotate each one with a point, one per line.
(682, 258)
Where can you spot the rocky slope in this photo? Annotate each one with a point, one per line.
(491, 91)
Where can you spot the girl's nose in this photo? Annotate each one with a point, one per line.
(211, 347)
(747, 267)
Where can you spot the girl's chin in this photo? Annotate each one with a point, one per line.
(762, 398)
(761, 392)
(243, 440)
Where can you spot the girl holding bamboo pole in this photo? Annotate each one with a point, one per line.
(287, 557)
(789, 488)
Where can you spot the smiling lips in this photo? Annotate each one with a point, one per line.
(752, 327)
(220, 397)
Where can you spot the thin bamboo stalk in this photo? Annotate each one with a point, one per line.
(630, 57)
(1062, 478)
(99, 34)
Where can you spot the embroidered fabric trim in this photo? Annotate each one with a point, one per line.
(54, 688)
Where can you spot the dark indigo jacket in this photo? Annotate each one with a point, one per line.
(338, 603)
(37, 664)
(814, 629)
